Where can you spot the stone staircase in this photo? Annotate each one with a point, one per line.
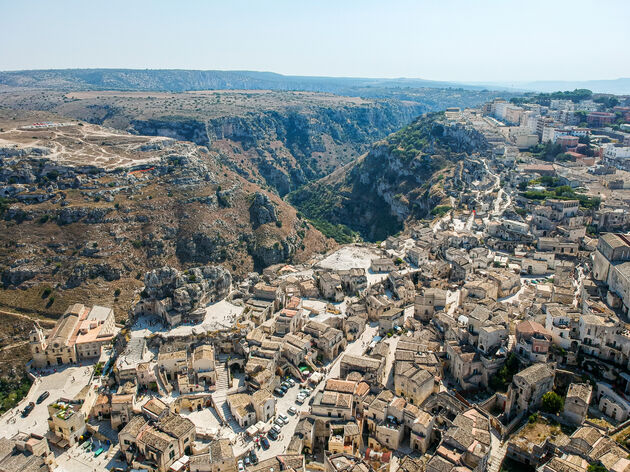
(219, 397)
(497, 454)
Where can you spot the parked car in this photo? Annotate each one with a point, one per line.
(279, 392)
(292, 410)
(283, 388)
(253, 457)
(272, 435)
(299, 400)
(246, 460)
(43, 397)
(27, 410)
(264, 442)
(286, 384)
(292, 382)
(241, 466)
(284, 418)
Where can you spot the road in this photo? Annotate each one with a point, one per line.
(66, 382)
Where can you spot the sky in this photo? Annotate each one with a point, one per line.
(453, 40)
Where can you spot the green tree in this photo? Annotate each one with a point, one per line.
(552, 402)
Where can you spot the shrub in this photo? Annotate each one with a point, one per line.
(440, 210)
(552, 402)
(12, 391)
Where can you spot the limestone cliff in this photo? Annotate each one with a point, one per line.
(288, 148)
(401, 178)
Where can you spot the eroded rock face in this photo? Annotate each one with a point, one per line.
(83, 272)
(262, 211)
(202, 248)
(187, 289)
(14, 276)
(73, 214)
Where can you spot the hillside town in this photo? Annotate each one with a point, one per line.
(493, 336)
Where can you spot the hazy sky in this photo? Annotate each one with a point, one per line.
(459, 40)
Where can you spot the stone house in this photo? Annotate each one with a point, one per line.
(376, 305)
(353, 327)
(330, 404)
(465, 443)
(127, 363)
(66, 422)
(577, 401)
(158, 444)
(330, 286)
(417, 256)
(308, 289)
(264, 405)
(528, 387)
(611, 403)
(532, 341)
(357, 309)
(203, 364)
(122, 407)
(219, 458)
(412, 382)
(372, 370)
(382, 264)
(172, 361)
(428, 302)
(242, 409)
(328, 340)
(389, 319)
(353, 280)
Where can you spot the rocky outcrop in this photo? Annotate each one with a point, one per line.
(14, 276)
(266, 255)
(187, 290)
(82, 272)
(70, 215)
(201, 247)
(262, 211)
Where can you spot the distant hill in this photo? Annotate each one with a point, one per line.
(173, 80)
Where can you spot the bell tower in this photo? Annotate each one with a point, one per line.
(37, 343)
